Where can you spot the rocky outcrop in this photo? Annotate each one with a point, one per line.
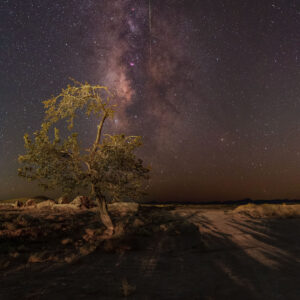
(30, 203)
(47, 203)
(63, 200)
(82, 202)
(18, 203)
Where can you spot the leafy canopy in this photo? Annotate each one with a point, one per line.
(108, 168)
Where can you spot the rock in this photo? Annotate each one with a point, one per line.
(30, 202)
(35, 258)
(163, 227)
(81, 201)
(123, 208)
(14, 254)
(9, 226)
(6, 206)
(90, 231)
(66, 241)
(47, 203)
(138, 222)
(63, 200)
(24, 220)
(72, 258)
(93, 234)
(77, 201)
(87, 249)
(18, 203)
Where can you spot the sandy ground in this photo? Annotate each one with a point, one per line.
(215, 254)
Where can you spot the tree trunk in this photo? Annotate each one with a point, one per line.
(104, 215)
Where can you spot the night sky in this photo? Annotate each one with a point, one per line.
(213, 87)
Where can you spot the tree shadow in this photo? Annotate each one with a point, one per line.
(173, 254)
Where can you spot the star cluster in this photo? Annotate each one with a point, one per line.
(212, 86)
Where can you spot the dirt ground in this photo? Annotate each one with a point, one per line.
(157, 253)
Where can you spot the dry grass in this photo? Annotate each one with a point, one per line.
(269, 210)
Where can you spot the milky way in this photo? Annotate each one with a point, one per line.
(142, 67)
(150, 70)
(212, 86)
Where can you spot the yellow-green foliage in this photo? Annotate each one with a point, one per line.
(269, 210)
(108, 167)
(79, 97)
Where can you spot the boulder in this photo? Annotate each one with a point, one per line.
(47, 203)
(138, 223)
(18, 203)
(71, 258)
(78, 201)
(67, 241)
(63, 200)
(30, 202)
(87, 249)
(6, 206)
(82, 202)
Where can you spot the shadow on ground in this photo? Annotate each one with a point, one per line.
(175, 254)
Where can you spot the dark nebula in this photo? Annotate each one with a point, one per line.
(212, 86)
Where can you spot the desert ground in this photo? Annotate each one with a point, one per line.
(157, 252)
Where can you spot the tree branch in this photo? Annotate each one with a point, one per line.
(100, 127)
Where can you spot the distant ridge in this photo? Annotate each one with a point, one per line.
(230, 202)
